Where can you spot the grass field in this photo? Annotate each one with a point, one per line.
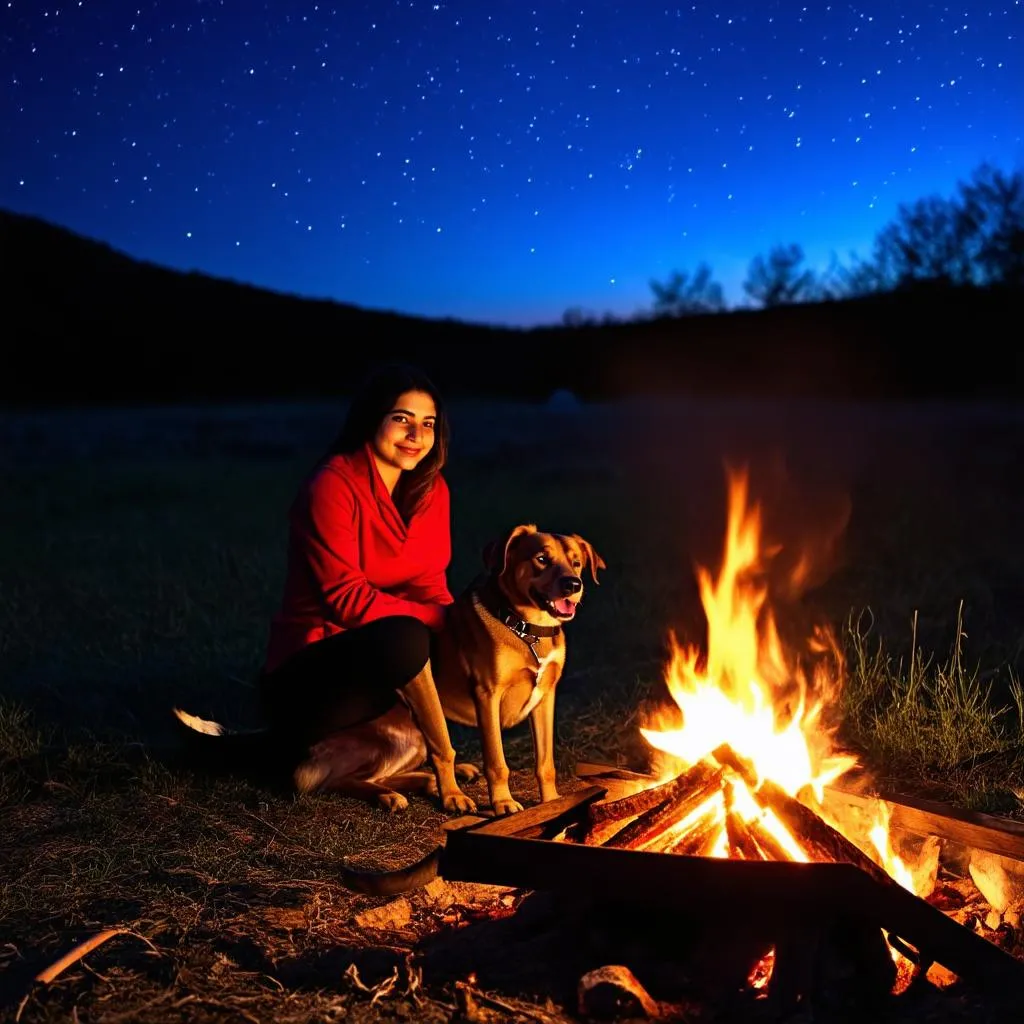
(141, 555)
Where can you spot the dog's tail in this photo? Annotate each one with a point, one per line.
(395, 882)
(210, 747)
(213, 747)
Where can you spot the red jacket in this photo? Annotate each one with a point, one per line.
(351, 558)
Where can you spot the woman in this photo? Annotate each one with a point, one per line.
(365, 585)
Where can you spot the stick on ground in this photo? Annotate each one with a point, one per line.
(83, 948)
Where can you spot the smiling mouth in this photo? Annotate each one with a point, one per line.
(411, 452)
(563, 608)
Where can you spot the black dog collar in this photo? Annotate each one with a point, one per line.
(490, 597)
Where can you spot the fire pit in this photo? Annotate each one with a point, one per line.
(739, 824)
(790, 913)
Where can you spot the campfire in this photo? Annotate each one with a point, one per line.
(746, 750)
(771, 886)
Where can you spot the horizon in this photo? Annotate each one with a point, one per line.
(497, 167)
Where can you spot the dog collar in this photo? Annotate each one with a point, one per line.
(528, 632)
(524, 629)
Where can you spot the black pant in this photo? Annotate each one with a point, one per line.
(344, 679)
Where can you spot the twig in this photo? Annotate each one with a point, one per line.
(499, 1004)
(284, 835)
(83, 948)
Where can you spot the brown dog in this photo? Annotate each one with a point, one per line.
(498, 660)
(501, 653)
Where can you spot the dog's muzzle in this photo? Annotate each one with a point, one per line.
(563, 607)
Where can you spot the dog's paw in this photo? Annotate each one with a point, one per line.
(467, 772)
(503, 808)
(392, 801)
(430, 787)
(459, 802)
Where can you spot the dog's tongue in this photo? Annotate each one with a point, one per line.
(565, 607)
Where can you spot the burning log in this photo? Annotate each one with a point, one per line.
(640, 833)
(770, 847)
(699, 839)
(647, 799)
(742, 844)
(816, 837)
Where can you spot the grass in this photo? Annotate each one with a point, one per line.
(142, 574)
(934, 723)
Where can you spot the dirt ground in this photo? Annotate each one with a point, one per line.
(226, 890)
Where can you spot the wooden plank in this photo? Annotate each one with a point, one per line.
(988, 832)
(463, 821)
(540, 816)
(769, 893)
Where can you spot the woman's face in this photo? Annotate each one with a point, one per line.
(406, 433)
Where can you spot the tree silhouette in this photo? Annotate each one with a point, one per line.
(777, 280)
(975, 238)
(684, 294)
(994, 206)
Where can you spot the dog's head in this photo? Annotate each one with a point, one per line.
(542, 570)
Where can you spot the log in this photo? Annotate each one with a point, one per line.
(770, 847)
(640, 832)
(699, 839)
(742, 843)
(534, 822)
(815, 836)
(973, 829)
(646, 799)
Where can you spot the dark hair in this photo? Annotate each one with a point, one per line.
(373, 400)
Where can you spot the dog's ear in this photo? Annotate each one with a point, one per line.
(594, 560)
(496, 552)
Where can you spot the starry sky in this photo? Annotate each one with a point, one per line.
(497, 161)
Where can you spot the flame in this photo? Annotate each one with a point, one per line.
(765, 703)
(747, 692)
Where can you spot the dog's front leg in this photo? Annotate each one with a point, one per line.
(488, 713)
(421, 696)
(542, 725)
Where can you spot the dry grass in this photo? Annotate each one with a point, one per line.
(143, 573)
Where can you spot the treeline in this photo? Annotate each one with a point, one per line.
(88, 325)
(972, 239)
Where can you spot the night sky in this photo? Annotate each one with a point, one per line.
(497, 161)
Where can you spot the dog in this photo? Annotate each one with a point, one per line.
(497, 660)
(501, 653)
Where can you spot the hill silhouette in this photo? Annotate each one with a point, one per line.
(86, 324)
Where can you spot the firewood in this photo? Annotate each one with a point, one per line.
(700, 838)
(598, 835)
(640, 832)
(614, 992)
(770, 847)
(742, 843)
(815, 836)
(646, 799)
